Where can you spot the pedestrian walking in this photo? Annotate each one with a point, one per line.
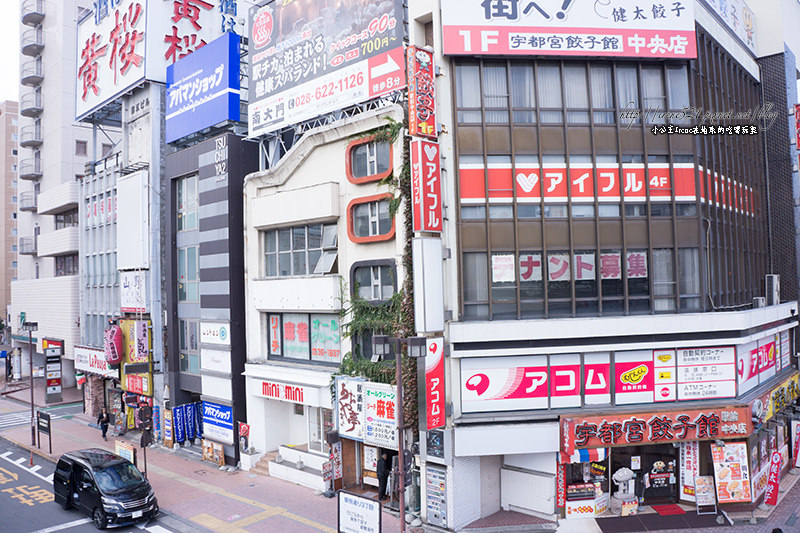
(384, 466)
(103, 421)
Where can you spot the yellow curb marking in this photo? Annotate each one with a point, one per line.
(215, 524)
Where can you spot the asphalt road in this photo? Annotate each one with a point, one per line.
(27, 506)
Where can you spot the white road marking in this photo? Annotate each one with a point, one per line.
(4, 455)
(157, 529)
(64, 526)
(32, 470)
(18, 461)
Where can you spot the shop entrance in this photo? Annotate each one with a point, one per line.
(656, 470)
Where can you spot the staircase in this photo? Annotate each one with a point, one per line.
(262, 466)
(295, 465)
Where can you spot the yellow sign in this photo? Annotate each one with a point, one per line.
(137, 346)
(781, 396)
(634, 375)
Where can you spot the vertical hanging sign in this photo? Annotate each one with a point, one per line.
(426, 186)
(421, 92)
(434, 383)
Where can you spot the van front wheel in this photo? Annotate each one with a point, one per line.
(99, 518)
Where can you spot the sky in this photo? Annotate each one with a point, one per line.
(9, 50)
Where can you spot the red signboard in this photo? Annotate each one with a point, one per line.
(426, 185)
(135, 383)
(655, 427)
(771, 496)
(797, 123)
(421, 92)
(434, 383)
(561, 485)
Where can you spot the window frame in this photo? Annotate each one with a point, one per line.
(324, 250)
(377, 263)
(267, 339)
(351, 220)
(370, 177)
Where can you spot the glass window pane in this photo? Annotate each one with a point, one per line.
(272, 265)
(299, 263)
(529, 211)
(575, 86)
(313, 259)
(602, 88)
(191, 263)
(384, 221)
(363, 279)
(325, 264)
(501, 212)
(627, 90)
(653, 92)
(522, 87)
(361, 220)
(582, 210)
(495, 86)
(549, 85)
(359, 160)
(329, 236)
(383, 157)
(467, 86)
(299, 238)
(608, 210)
(678, 82)
(284, 239)
(473, 212)
(272, 241)
(182, 344)
(181, 264)
(476, 277)
(285, 264)
(387, 282)
(688, 271)
(314, 236)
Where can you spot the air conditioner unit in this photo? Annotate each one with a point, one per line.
(759, 302)
(773, 289)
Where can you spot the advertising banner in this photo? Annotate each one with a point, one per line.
(132, 291)
(773, 484)
(123, 42)
(156, 423)
(434, 383)
(426, 186)
(169, 434)
(213, 452)
(198, 415)
(350, 407)
(561, 485)
(705, 373)
(136, 372)
(380, 410)
(634, 377)
(189, 411)
(336, 460)
(614, 28)
(731, 472)
(179, 423)
(244, 437)
(795, 428)
(565, 380)
(357, 514)
(756, 362)
(218, 422)
(704, 491)
(504, 383)
(600, 431)
(313, 58)
(215, 333)
(203, 88)
(421, 92)
(93, 361)
(738, 17)
(125, 450)
(690, 469)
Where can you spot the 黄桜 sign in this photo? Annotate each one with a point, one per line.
(612, 28)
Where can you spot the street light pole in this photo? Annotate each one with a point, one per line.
(401, 485)
(31, 327)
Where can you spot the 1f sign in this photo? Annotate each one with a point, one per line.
(426, 185)
(434, 383)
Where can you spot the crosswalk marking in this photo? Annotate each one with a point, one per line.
(11, 420)
(64, 526)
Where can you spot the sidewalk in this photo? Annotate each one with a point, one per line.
(224, 502)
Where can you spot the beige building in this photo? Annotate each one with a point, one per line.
(9, 119)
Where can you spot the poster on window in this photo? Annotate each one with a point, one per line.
(585, 267)
(637, 264)
(731, 472)
(295, 336)
(380, 415)
(612, 28)
(275, 335)
(350, 407)
(611, 265)
(530, 267)
(503, 268)
(558, 267)
(325, 338)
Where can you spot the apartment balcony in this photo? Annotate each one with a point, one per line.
(27, 201)
(31, 73)
(32, 12)
(27, 245)
(30, 169)
(59, 242)
(30, 136)
(32, 42)
(30, 104)
(61, 198)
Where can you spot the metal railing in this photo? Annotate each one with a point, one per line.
(27, 245)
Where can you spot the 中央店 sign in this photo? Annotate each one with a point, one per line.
(654, 427)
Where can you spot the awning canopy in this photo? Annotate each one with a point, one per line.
(584, 456)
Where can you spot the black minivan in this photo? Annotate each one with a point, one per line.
(108, 487)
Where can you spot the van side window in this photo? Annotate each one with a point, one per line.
(86, 477)
(63, 468)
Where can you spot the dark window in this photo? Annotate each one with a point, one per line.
(67, 265)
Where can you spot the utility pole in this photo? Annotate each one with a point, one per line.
(30, 327)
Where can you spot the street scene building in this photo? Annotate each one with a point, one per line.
(488, 263)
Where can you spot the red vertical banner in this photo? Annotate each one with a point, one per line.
(434, 383)
(561, 485)
(426, 185)
(773, 484)
(421, 92)
(797, 123)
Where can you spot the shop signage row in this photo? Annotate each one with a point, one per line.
(622, 28)
(314, 60)
(183, 422)
(757, 362)
(766, 406)
(367, 411)
(654, 427)
(93, 361)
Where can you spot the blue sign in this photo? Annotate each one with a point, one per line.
(198, 411)
(190, 412)
(203, 88)
(179, 421)
(218, 422)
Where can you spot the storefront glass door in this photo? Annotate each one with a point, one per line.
(656, 470)
(320, 422)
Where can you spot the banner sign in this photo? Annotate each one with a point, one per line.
(135, 373)
(613, 28)
(738, 17)
(132, 289)
(93, 361)
(156, 423)
(421, 92)
(357, 514)
(189, 411)
(690, 469)
(434, 383)
(553, 183)
(771, 496)
(616, 429)
(125, 450)
(561, 485)
(731, 472)
(203, 88)
(426, 185)
(179, 423)
(350, 407)
(797, 124)
(756, 362)
(306, 60)
(198, 412)
(213, 452)
(704, 491)
(244, 437)
(218, 422)
(380, 410)
(169, 436)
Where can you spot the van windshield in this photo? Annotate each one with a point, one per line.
(117, 477)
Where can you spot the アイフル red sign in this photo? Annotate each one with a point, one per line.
(434, 383)
(421, 92)
(426, 186)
